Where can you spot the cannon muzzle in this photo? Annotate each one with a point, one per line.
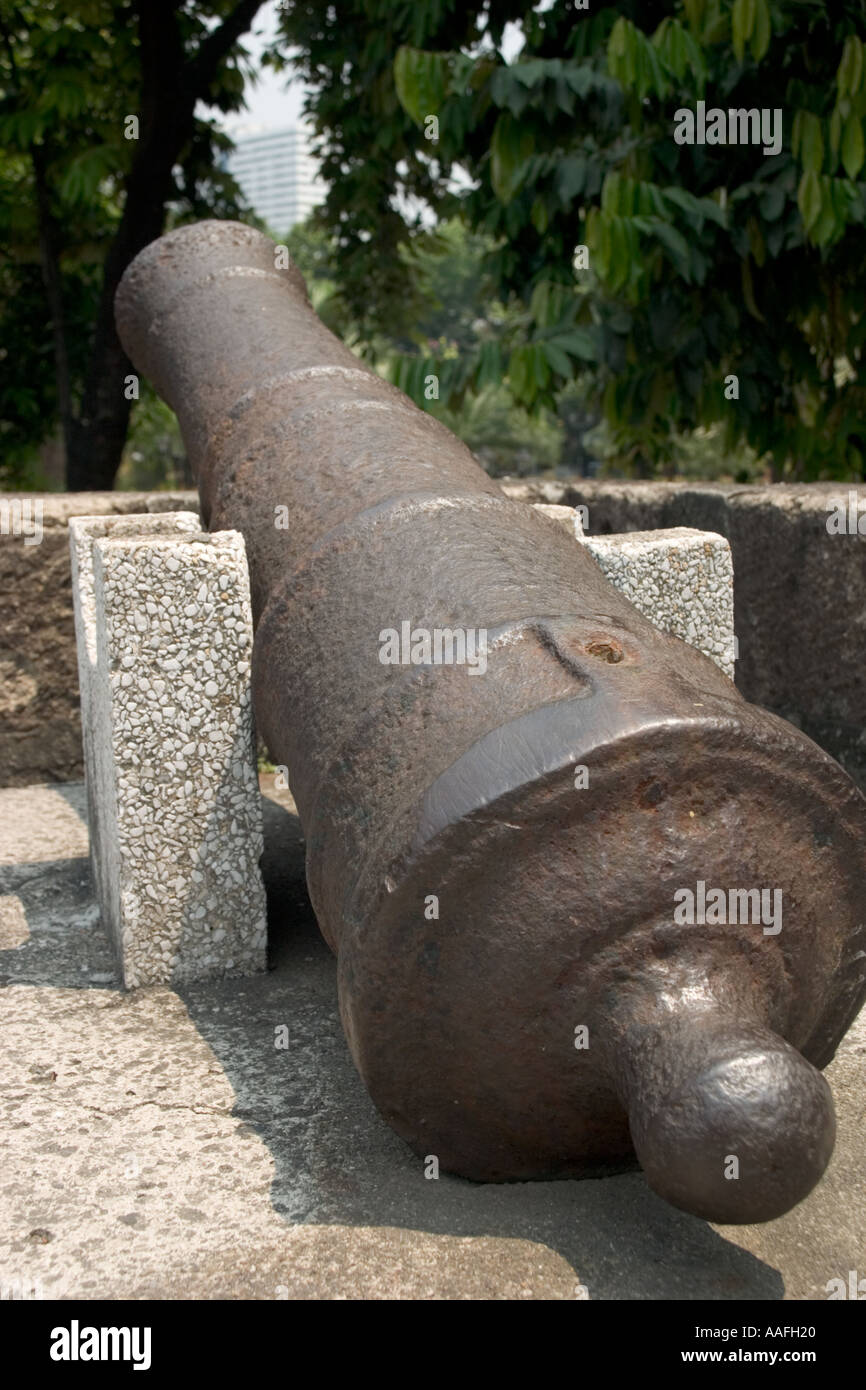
(587, 902)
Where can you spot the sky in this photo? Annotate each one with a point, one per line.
(275, 100)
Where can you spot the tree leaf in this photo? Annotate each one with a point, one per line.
(540, 367)
(835, 133)
(694, 12)
(850, 71)
(772, 202)
(656, 75)
(852, 146)
(570, 177)
(617, 45)
(676, 246)
(612, 193)
(558, 359)
(86, 172)
(742, 23)
(531, 71)
(521, 373)
(762, 31)
(809, 199)
(420, 80)
(811, 143)
(826, 228)
(510, 148)
(489, 371)
(539, 302)
(688, 204)
(540, 215)
(577, 343)
(619, 265)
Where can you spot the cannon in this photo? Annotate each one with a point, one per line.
(590, 907)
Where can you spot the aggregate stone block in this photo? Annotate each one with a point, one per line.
(176, 781)
(83, 532)
(681, 579)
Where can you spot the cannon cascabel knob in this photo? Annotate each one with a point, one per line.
(422, 781)
(727, 1119)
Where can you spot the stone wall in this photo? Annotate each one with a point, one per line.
(799, 594)
(40, 724)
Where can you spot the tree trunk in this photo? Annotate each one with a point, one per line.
(171, 86)
(51, 278)
(99, 433)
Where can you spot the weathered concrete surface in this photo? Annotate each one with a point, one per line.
(159, 1145)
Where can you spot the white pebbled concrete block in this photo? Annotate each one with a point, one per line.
(176, 782)
(681, 579)
(83, 531)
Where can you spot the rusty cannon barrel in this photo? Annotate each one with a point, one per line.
(587, 903)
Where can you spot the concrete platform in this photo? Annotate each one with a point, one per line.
(158, 1144)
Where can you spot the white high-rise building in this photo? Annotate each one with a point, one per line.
(278, 174)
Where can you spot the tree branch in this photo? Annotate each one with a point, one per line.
(201, 69)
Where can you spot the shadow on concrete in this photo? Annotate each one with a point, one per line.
(337, 1162)
(61, 942)
(64, 944)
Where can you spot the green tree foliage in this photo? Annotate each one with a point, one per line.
(100, 146)
(705, 261)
